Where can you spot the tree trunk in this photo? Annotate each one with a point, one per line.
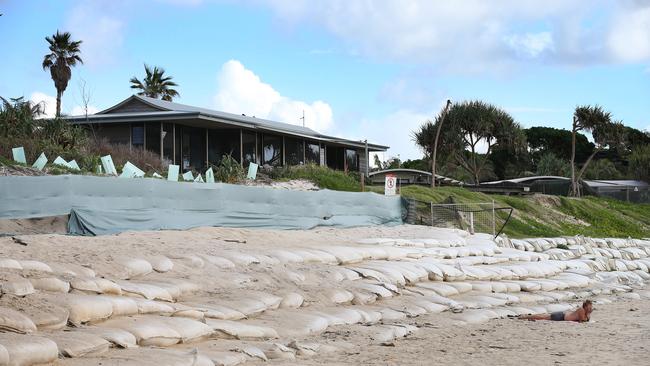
(435, 145)
(58, 102)
(574, 186)
(584, 167)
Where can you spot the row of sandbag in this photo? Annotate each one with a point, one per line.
(45, 311)
(400, 273)
(544, 244)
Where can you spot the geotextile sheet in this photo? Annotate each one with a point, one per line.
(105, 205)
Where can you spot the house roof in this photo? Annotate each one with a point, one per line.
(440, 178)
(164, 110)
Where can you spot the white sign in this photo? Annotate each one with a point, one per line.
(390, 185)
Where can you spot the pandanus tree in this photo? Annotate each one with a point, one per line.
(64, 54)
(472, 131)
(606, 134)
(155, 84)
(428, 139)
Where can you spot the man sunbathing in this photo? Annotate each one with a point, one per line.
(580, 315)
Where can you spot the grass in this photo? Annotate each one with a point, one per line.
(544, 216)
(323, 177)
(533, 216)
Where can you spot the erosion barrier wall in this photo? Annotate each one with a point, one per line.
(105, 205)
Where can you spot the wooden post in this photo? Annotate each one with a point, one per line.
(241, 147)
(162, 158)
(174, 142)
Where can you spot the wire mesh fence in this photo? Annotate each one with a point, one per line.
(479, 217)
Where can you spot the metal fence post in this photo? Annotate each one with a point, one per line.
(431, 205)
(494, 220)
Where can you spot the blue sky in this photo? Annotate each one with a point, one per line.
(363, 69)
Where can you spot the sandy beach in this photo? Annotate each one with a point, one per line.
(403, 295)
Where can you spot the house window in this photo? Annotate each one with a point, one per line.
(312, 153)
(248, 145)
(352, 159)
(222, 142)
(295, 151)
(137, 135)
(272, 150)
(153, 137)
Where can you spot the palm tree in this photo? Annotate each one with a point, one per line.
(64, 53)
(590, 119)
(155, 84)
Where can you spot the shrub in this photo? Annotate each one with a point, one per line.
(121, 153)
(549, 164)
(229, 170)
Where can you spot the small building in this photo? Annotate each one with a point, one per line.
(411, 176)
(195, 138)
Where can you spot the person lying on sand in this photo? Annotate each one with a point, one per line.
(580, 315)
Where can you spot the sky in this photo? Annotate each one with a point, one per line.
(362, 69)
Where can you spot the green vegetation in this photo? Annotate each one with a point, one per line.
(322, 176)
(540, 215)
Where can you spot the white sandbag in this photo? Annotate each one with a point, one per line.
(475, 316)
(410, 310)
(285, 256)
(184, 311)
(362, 297)
(368, 316)
(246, 306)
(429, 306)
(14, 321)
(237, 330)
(10, 263)
(441, 289)
(148, 330)
(344, 255)
(52, 284)
(190, 260)
(118, 337)
(122, 306)
(378, 290)
(323, 256)
(25, 350)
(85, 284)
(340, 315)
(4, 356)
(153, 307)
(148, 291)
(225, 358)
(370, 273)
(72, 269)
(188, 329)
(292, 300)
(160, 263)
(31, 265)
(217, 311)
(108, 287)
(78, 344)
(17, 287)
(340, 296)
(86, 308)
(241, 259)
(43, 313)
(461, 287)
(277, 351)
(390, 314)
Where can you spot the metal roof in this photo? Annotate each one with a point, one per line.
(173, 111)
(527, 179)
(416, 171)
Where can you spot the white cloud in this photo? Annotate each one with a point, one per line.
(241, 91)
(100, 25)
(49, 106)
(47, 101)
(464, 35)
(81, 111)
(475, 35)
(629, 37)
(530, 45)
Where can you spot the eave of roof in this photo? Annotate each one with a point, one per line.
(169, 111)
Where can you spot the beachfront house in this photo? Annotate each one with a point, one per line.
(195, 138)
